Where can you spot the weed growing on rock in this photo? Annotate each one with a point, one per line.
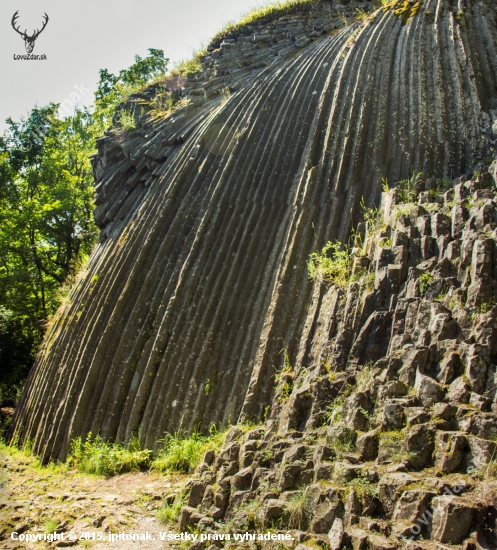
(127, 119)
(425, 280)
(334, 269)
(298, 507)
(50, 526)
(364, 489)
(408, 188)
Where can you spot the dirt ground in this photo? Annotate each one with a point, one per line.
(37, 500)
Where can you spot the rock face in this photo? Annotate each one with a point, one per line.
(208, 217)
(381, 453)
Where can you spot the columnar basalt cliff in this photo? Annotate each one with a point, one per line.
(389, 439)
(208, 215)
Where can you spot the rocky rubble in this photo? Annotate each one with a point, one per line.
(389, 441)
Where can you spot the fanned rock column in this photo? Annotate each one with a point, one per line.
(209, 215)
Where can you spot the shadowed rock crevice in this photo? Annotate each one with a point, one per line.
(209, 214)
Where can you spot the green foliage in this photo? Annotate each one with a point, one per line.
(346, 444)
(95, 456)
(50, 526)
(46, 225)
(46, 211)
(372, 216)
(180, 454)
(425, 280)
(191, 66)
(114, 89)
(334, 269)
(364, 489)
(404, 9)
(440, 187)
(170, 512)
(408, 188)
(127, 119)
(299, 508)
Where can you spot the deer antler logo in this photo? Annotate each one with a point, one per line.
(29, 41)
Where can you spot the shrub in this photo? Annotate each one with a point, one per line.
(95, 456)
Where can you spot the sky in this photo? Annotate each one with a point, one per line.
(82, 37)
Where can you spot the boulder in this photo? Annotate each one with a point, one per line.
(417, 415)
(458, 391)
(413, 360)
(288, 476)
(449, 368)
(326, 508)
(476, 371)
(452, 518)
(323, 470)
(367, 445)
(242, 480)
(412, 504)
(335, 534)
(429, 391)
(449, 451)
(440, 225)
(393, 416)
(185, 518)
(444, 411)
(197, 489)
(390, 489)
(275, 509)
(481, 452)
(419, 445)
(294, 453)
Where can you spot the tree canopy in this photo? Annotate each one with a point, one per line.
(46, 211)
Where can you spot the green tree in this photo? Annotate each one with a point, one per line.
(46, 227)
(46, 211)
(113, 89)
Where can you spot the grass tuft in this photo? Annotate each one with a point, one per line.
(95, 456)
(180, 454)
(169, 513)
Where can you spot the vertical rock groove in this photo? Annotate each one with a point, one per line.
(209, 215)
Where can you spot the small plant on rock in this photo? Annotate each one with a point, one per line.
(408, 188)
(298, 508)
(127, 119)
(332, 265)
(425, 280)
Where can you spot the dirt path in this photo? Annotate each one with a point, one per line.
(38, 500)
